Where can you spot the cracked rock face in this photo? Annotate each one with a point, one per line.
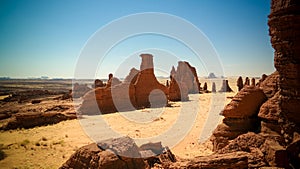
(284, 23)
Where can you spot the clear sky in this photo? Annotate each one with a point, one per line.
(45, 37)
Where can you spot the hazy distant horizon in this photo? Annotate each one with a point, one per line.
(45, 38)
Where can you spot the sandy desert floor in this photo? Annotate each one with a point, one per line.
(184, 127)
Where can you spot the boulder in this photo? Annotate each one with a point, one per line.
(91, 156)
(120, 153)
(245, 103)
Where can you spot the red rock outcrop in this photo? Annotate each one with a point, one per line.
(279, 115)
(140, 89)
(240, 116)
(177, 92)
(148, 91)
(183, 81)
(253, 82)
(284, 23)
(120, 153)
(239, 83)
(187, 75)
(270, 85)
(247, 81)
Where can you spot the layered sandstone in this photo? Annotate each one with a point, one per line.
(276, 141)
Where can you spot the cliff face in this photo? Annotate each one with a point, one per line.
(284, 23)
(279, 110)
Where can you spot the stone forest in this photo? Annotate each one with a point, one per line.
(260, 126)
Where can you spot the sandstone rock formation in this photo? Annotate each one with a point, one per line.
(186, 74)
(177, 92)
(120, 153)
(253, 82)
(183, 81)
(276, 141)
(225, 87)
(240, 116)
(140, 89)
(98, 83)
(147, 88)
(239, 83)
(247, 81)
(205, 86)
(213, 87)
(285, 31)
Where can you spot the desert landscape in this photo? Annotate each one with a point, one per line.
(50, 144)
(142, 121)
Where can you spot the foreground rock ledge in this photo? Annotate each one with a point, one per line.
(150, 155)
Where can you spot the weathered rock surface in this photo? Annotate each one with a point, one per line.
(187, 75)
(245, 103)
(221, 161)
(91, 156)
(147, 88)
(119, 153)
(240, 116)
(270, 110)
(284, 23)
(270, 85)
(177, 92)
(276, 145)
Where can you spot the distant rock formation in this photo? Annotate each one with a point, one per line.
(205, 86)
(225, 87)
(253, 81)
(211, 76)
(213, 87)
(239, 83)
(183, 81)
(98, 83)
(247, 81)
(187, 74)
(140, 89)
(79, 90)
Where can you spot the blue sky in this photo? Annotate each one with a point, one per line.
(45, 37)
